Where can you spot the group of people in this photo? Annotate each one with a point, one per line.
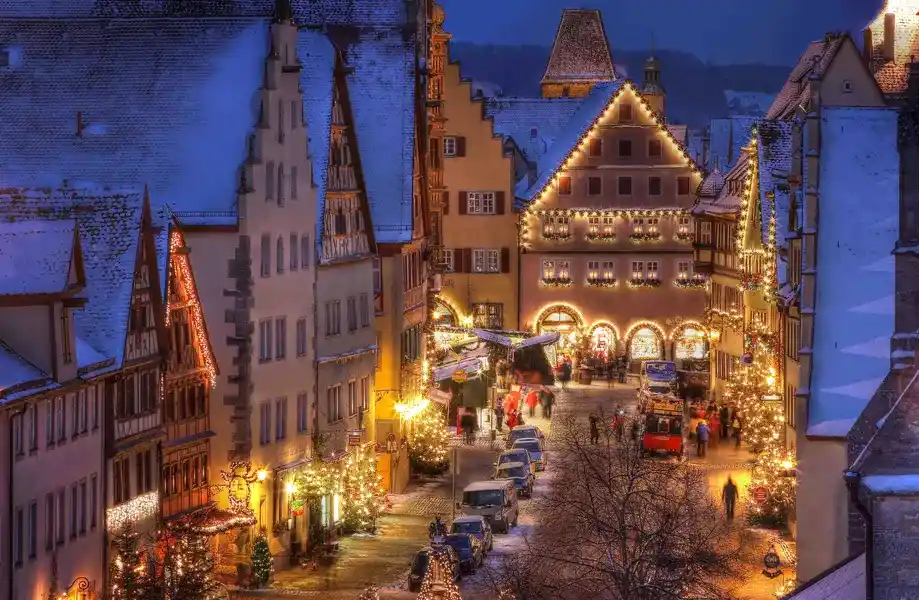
(507, 410)
(714, 424)
(620, 423)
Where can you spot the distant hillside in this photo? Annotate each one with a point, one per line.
(695, 90)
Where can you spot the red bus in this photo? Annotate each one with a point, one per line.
(663, 430)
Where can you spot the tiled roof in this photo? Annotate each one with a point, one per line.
(727, 138)
(581, 50)
(859, 174)
(533, 123)
(726, 201)
(169, 103)
(588, 111)
(893, 75)
(35, 256)
(365, 13)
(109, 228)
(773, 167)
(381, 89)
(814, 62)
(712, 184)
(17, 371)
(843, 581)
(317, 56)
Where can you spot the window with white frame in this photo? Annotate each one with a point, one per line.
(556, 227)
(608, 229)
(333, 403)
(365, 393)
(352, 397)
(684, 270)
(593, 270)
(638, 226)
(449, 146)
(265, 337)
(486, 260)
(448, 260)
(593, 226)
(638, 269)
(705, 233)
(652, 272)
(682, 226)
(480, 203)
(653, 226)
(607, 271)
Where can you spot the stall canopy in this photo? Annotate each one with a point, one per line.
(538, 340)
(472, 366)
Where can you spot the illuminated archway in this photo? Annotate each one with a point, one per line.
(689, 341)
(445, 315)
(561, 318)
(645, 341)
(604, 338)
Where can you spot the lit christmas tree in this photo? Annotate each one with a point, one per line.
(261, 561)
(771, 495)
(127, 572)
(190, 569)
(362, 492)
(430, 441)
(752, 389)
(438, 581)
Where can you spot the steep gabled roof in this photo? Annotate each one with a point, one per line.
(581, 50)
(167, 102)
(19, 377)
(109, 228)
(36, 256)
(588, 115)
(533, 123)
(773, 167)
(893, 75)
(816, 59)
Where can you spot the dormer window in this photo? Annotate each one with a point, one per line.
(534, 133)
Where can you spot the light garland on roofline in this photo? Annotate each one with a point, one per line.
(751, 281)
(183, 269)
(582, 144)
(133, 511)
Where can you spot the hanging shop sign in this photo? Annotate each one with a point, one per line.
(760, 494)
(460, 376)
(440, 396)
(772, 564)
(297, 507)
(747, 359)
(354, 438)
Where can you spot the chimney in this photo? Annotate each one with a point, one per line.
(867, 46)
(79, 123)
(890, 22)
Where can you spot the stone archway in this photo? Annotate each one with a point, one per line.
(564, 320)
(444, 315)
(645, 341)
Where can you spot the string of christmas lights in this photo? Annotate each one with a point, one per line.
(362, 492)
(438, 581)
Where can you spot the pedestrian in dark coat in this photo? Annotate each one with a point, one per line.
(499, 414)
(594, 429)
(724, 415)
(729, 495)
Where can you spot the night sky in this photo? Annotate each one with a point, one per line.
(722, 31)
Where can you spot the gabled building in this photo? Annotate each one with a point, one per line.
(479, 285)
(580, 56)
(605, 232)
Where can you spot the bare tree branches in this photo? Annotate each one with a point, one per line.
(614, 526)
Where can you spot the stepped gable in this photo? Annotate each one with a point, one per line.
(581, 50)
(129, 102)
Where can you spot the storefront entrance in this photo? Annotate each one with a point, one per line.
(645, 342)
(603, 340)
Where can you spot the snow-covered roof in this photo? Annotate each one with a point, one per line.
(726, 201)
(589, 109)
(816, 58)
(893, 75)
(169, 103)
(712, 184)
(859, 174)
(844, 581)
(317, 55)
(727, 139)
(36, 256)
(19, 375)
(902, 483)
(533, 123)
(381, 89)
(109, 230)
(773, 167)
(581, 50)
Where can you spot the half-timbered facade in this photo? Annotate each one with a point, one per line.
(190, 374)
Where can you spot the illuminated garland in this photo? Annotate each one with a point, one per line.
(580, 147)
(684, 237)
(690, 283)
(565, 309)
(601, 237)
(556, 235)
(751, 282)
(556, 281)
(179, 260)
(733, 318)
(602, 282)
(627, 213)
(644, 283)
(135, 510)
(645, 237)
(428, 450)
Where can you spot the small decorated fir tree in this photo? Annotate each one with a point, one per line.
(127, 572)
(362, 492)
(430, 442)
(261, 561)
(190, 568)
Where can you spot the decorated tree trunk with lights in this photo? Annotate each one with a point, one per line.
(428, 451)
(189, 569)
(128, 579)
(362, 492)
(261, 561)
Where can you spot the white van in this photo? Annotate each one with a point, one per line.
(496, 500)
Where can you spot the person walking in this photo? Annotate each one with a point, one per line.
(619, 424)
(594, 429)
(724, 415)
(729, 497)
(548, 401)
(736, 425)
(511, 420)
(532, 400)
(499, 414)
(702, 432)
(566, 373)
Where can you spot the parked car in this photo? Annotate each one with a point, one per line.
(536, 449)
(519, 474)
(470, 550)
(521, 455)
(523, 431)
(476, 525)
(422, 561)
(496, 500)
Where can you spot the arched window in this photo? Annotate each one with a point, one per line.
(690, 345)
(646, 345)
(280, 254)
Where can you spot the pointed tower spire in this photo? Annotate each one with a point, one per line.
(580, 56)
